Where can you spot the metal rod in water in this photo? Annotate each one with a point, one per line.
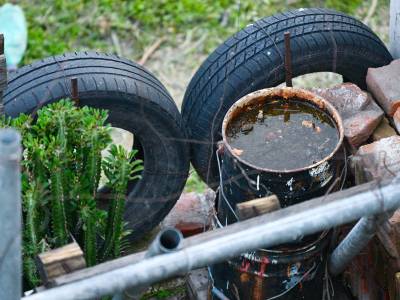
(288, 60)
(10, 215)
(356, 240)
(268, 230)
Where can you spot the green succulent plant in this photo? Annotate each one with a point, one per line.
(61, 170)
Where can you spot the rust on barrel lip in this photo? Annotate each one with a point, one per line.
(282, 93)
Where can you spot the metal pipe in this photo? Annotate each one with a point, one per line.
(356, 240)
(268, 230)
(167, 240)
(10, 215)
(394, 28)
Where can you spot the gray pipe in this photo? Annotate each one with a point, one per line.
(167, 240)
(356, 240)
(268, 230)
(10, 215)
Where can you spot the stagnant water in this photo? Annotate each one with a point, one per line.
(283, 135)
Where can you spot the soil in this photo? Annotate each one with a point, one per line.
(283, 135)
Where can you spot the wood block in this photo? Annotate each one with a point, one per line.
(60, 261)
(256, 207)
(384, 130)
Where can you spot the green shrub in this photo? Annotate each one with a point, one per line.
(62, 165)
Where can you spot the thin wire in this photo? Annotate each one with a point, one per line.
(292, 287)
(222, 189)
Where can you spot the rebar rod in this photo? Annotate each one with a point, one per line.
(288, 60)
(268, 230)
(10, 215)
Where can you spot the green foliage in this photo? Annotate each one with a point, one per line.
(119, 168)
(194, 183)
(57, 26)
(61, 171)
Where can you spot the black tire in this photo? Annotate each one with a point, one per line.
(136, 101)
(252, 59)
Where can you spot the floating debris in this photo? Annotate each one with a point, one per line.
(246, 128)
(237, 152)
(263, 136)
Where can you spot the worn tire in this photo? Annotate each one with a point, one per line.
(136, 102)
(321, 40)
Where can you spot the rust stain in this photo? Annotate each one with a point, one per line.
(244, 277)
(258, 98)
(258, 288)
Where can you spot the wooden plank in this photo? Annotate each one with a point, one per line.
(100, 268)
(256, 207)
(60, 261)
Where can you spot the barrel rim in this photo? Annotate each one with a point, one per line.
(285, 93)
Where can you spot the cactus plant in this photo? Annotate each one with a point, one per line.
(62, 165)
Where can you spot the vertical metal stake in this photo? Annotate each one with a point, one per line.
(394, 29)
(10, 215)
(75, 91)
(1, 44)
(288, 60)
(3, 73)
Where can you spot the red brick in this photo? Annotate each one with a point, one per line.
(384, 130)
(383, 83)
(360, 114)
(380, 159)
(396, 119)
(192, 213)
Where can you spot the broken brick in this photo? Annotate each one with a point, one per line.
(383, 83)
(380, 159)
(192, 213)
(384, 130)
(396, 120)
(359, 112)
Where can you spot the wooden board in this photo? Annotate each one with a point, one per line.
(60, 261)
(256, 207)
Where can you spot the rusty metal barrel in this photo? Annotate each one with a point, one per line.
(294, 270)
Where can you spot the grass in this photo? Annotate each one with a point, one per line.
(57, 26)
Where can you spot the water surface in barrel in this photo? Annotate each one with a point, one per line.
(282, 134)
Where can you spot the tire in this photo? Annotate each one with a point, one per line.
(136, 101)
(252, 59)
